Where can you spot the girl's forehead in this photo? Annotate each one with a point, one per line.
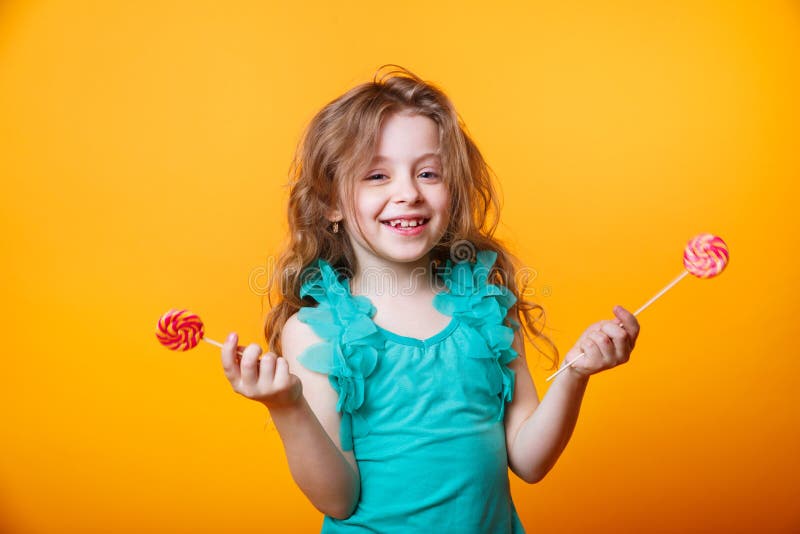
(421, 158)
(407, 136)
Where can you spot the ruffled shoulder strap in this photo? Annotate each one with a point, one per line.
(349, 352)
(484, 307)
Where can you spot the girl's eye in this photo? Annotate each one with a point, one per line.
(426, 174)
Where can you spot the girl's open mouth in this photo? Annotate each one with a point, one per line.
(406, 227)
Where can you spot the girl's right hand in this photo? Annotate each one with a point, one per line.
(267, 380)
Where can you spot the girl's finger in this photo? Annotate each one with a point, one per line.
(230, 360)
(606, 348)
(249, 364)
(267, 372)
(592, 360)
(585, 335)
(629, 322)
(622, 340)
(281, 373)
(613, 329)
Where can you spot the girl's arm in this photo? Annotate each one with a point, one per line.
(307, 422)
(537, 433)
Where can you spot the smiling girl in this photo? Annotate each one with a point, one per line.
(402, 393)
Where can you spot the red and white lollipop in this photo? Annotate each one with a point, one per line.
(181, 330)
(704, 256)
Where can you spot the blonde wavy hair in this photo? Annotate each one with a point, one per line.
(335, 150)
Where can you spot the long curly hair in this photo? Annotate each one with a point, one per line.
(335, 149)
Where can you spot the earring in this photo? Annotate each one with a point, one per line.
(335, 227)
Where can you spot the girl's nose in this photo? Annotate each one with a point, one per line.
(407, 190)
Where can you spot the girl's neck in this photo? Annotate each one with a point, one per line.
(385, 279)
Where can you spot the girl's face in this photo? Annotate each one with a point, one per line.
(401, 202)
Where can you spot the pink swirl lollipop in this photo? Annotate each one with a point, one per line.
(705, 256)
(183, 330)
(179, 330)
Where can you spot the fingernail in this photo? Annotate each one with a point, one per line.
(231, 336)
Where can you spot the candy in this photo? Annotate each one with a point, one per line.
(179, 330)
(705, 256)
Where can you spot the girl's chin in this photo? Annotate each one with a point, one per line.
(401, 252)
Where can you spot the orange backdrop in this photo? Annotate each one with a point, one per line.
(144, 148)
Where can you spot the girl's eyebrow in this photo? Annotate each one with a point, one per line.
(379, 158)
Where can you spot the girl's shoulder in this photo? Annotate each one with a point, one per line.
(471, 296)
(297, 336)
(337, 310)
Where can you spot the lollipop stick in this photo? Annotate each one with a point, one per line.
(667, 288)
(637, 312)
(218, 344)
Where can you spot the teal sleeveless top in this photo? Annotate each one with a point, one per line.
(423, 417)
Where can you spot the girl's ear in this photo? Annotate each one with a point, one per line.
(334, 215)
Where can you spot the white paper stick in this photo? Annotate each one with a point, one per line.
(218, 344)
(667, 288)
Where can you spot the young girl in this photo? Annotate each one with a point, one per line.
(402, 393)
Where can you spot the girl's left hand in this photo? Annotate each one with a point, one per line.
(606, 344)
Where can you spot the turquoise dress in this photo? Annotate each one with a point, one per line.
(424, 418)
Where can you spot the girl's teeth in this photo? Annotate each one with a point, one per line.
(405, 224)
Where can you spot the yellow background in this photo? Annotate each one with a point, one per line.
(144, 148)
